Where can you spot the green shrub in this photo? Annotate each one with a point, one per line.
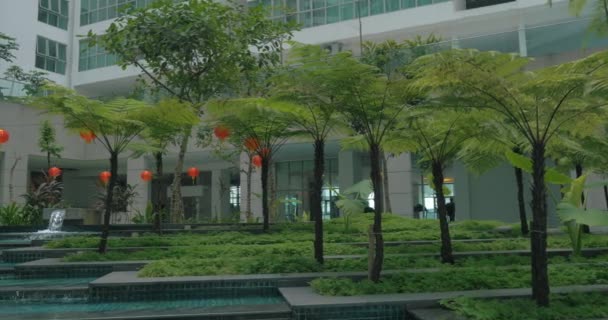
(573, 306)
(457, 279)
(13, 215)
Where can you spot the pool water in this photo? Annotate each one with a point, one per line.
(81, 305)
(11, 281)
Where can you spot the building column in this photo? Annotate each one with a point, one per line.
(20, 177)
(348, 163)
(400, 184)
(134, 169)
(523, 44)
(220, 194)
(256, 189)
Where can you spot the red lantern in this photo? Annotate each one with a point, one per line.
(87, 135)
(252, 144)
(193, 173)
(221, 132)
(257, 161)
(4, 136)
(54, 172)
(104, 177)
(146, 175)
(265, 152)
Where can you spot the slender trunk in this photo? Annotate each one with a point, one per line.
(265, 212)
(177, 203)
(606, 195)
(446, 241)
(48, 161)
(538, 238)
(315, 205)
(11, 178)
(105, 230)
(158, 206)
(375, 153)
(578, 168)
(387, 195)
(248, 200)
(523, 220)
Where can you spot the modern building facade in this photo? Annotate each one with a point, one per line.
(51, 35)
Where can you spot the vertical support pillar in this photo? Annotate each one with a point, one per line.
(20, 177)
(400, 184)
(348, 163)
(523, 42)
(143, 188)
(220, 194)
(256, 189)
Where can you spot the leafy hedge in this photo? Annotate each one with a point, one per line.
(458, 279)
(573, 306)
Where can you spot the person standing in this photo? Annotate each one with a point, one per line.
(451, 209)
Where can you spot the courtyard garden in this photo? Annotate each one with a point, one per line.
(231, 82)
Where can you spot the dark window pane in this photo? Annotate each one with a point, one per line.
(63, 23)
(424, 2)
(319, 17)
(53, 20)
(39, 62)
(50, 64)
(42, 16)
(64, 7)
(408, 4)
(392, 5)
(55, 5)
(60, 67)
(84, 19)
(52, 49)
(347, 11)
(62, 52)
(44, 3)
(305, 5)
(41, 47)
(318, 4)
(82, 64)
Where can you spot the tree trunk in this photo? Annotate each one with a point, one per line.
(578, 168)
(177, 203)
(446, 240)
(375, 154)
(606, 195)
(538, 238)
(48, 161)
(523, 220)
(105, 229)
(248, 200)
(316, 193)
(158, 206)
(387, 195)
(265, 209)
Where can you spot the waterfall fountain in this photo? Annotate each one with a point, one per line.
(55, 224)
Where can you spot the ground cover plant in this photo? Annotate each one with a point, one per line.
(457, 279)
(573, 306)
(276, 263)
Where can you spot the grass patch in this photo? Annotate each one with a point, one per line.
(456, 279)
(264, 264)
(573, 306)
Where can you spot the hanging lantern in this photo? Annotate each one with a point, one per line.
(87, 135)
(221, 132)
(54, 172)
(265, 152)
(193, 173)
(257, 161)
(104, 177)
(252, 144)
(146, 175)
(4, 136)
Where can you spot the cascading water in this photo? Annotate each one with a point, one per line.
(56, 220)
(55, 224)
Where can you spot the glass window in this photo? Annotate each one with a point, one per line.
(424, 2)
(54, 13)
(392, 5)
(406, 4)
(101, 10)
(347, 11)
(318, 17)
(92, 57)
(377, 6)
(50, 55)
(333, 14)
